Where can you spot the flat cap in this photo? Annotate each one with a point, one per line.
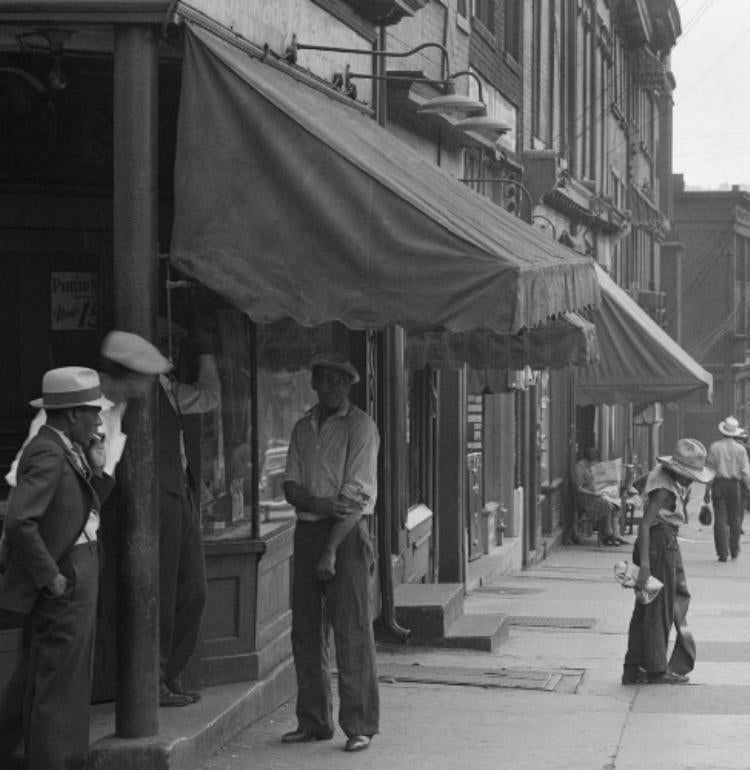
(335, 361)
(134, 353)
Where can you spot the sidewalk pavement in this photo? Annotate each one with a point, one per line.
(550, 696)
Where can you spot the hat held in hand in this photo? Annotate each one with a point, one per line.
(71, 386)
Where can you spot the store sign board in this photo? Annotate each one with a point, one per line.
(74, 301)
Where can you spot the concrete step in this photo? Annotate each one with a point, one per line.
(434, 613)
(485, 631)
(428, 610)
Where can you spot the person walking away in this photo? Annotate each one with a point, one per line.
(745, 441)
(729, 461)
(50, 575)
(657, 552)
(331, 480)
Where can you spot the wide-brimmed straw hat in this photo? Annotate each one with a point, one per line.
(689, 459)
(731, 427)
(71, 386)
(335, 361)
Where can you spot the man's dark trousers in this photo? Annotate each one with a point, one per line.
(182, 583)
(54, 673)
(344, 604)
(727, 500)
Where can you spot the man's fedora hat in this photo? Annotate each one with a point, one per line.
(335, 361)
(730, 427)
(689, 459)
(71, 386)
(134, 353)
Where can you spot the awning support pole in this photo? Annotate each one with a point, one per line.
(254, 431)
(135, 278)
(393, 399)
(394, 497)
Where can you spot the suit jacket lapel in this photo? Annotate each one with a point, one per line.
(70, 454)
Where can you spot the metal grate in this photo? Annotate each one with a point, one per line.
(561, 680)
(538, 621)
(507, 590)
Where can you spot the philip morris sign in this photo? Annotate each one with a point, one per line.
(74, 301)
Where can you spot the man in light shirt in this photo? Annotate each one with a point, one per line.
(331, 480)
(729, 460)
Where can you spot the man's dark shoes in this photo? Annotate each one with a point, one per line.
(168, 698)
(357, 743)
(722, 558)
(305, 736)
(668, 677)
(634, 675)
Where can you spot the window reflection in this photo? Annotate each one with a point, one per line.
(283, 397)
(284, 394)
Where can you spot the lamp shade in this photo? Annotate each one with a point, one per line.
(451, 104)
(483, 124)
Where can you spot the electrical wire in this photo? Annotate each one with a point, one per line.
(598, 115)
(696, 17)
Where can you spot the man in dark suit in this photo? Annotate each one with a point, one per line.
(182, 568)
(50, 575)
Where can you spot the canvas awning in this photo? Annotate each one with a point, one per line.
(570, 340)
(289, 203)
(639, 362)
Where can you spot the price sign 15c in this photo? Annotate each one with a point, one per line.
(74, 301)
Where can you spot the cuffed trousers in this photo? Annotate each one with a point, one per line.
(182, 584)
(49, 694)
(343, 604)
(650, 625)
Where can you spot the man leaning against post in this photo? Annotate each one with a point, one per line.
(50, 575)
(331, 480)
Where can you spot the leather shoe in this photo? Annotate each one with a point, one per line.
(176, 687)
(168, 698)
(634, 675)
(357, 743)
(668, 677)
(304, 736)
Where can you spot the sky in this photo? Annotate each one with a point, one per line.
(712, 100)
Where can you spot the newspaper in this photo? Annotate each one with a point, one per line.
(626, 575)
(607, 479)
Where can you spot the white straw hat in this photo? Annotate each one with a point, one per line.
(731, 427)
(71, 386)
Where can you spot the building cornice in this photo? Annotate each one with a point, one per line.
(386, 12)
(85, 11)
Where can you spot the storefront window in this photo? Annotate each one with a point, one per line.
(542, 438)
(420, 426)
(281, 361)
(284, 395)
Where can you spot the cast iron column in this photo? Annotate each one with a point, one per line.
(135, 281)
